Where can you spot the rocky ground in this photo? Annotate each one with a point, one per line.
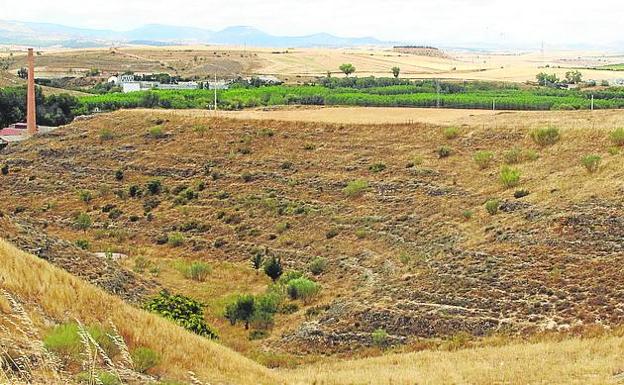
(414, 253)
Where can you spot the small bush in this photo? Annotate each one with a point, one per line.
(303, 289)
(617, 136)
(356, 188)
(144, 359)
(361, 233)
(106, 134)
(531, 155)
(100, 378)
(491, 206)
(134, 191)
(175, 239)
(64, 340)
(483, 158)
(258, 335)
(509, 177)
(197, 271)
(4, 169)
(380, 338)
(82, 221)
(521, 194)
(309, 147)
(184, 311)
(545, 136)
(83, 244)
(273, 268)
(119, 175)
(156, 132)
(513, 156)
(377, 167)
(154, 186)
(467, 214)
(591, 163)
(451, 132)
(317, 265)
(444, 151)
(614, 151)
(332, 233)
(85, 196)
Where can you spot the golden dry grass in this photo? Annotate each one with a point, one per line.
(576, 361)
(64, 297)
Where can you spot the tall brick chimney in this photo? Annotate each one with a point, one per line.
(31, 108)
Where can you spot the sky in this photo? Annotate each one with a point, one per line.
(447, 22)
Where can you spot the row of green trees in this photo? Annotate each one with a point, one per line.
(52, 110)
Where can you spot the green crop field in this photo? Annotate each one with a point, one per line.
(390, 96)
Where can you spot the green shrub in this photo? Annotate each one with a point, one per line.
(521, 194)
(444, 151)
(144, 359)
(377, 167)
(273, 268)
(83, 244)
(119, 175)
(156, 132)
(513, 156)
(332, 233)
(82, 221)
(318, 265)
(451, 132)
(303, 289)
(545, 136)
(591, 162)
(491, 206)
(85, 196)
(64, 340)
(154, 186)
(356, 188)
(483, 158)
(467, 214)
(361, 233)
(380, 338)
(197, 271)
(531, 155)
(258, 335)
(106, 134)
(617, 136)
(614, 151)
(4, 169)
(175, 239)
(509, 177)
(101, 378)
(241, 309)
(184, 311)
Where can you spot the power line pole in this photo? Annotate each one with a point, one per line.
(215, 91)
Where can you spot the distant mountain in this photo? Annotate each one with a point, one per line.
(46, 34)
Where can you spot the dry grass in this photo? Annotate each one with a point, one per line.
(576, 361)
(62, 296)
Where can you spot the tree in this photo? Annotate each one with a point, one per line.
(545, 79)
(22, 73)
(273, 268)
(573, 77)
(257, 259)
(347, 68)
(82, 221)
(396, 71)
(242, 309)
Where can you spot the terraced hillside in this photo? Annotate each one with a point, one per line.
(397, 212)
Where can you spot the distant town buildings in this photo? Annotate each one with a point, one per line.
(129, 84)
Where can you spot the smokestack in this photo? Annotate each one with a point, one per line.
(31, 108)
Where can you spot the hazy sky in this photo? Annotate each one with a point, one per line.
(431, 21)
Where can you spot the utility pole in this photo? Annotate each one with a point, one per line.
(215, 91)
(438, 93)
(592, 103)
(493, 104)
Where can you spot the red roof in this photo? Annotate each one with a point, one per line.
(12, 131)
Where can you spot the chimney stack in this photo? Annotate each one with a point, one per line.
(31, 108)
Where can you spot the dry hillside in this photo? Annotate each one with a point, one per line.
(410, 248)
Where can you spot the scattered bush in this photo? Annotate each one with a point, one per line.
(273, 268)
(614, 151)
(82, 221)
(444, 151)
(154, 186)
(356, 188)
(509, 177)
(451, 132)
(64, 340)
(106, 134)
(303, 289)
(521, 194)
(4, 169)
(361, 233)
(197, 271)
(545, 136)
(257, 259)
(380, 338)
(377, 167)
(483, 158)
(134, 191)
(119, 175)
(491, 206)
(617, 136)
(144, 359)
(318, 265)
(100, 378)
(85, 196)
(156, 132)
(591, 162)
(184, 311)
(467, 214)
(83, 244)
(332, 233)
(242, 309)
(175, 239)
